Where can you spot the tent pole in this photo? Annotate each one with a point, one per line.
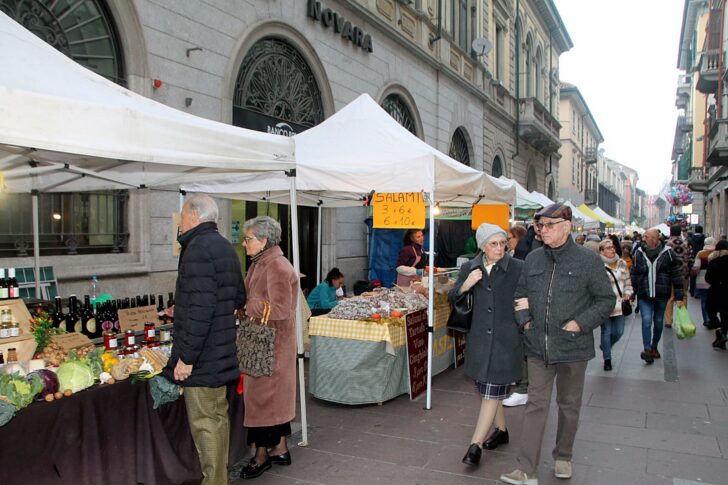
(318, 246)
(36, 245)
(299, 324)
(430, 301)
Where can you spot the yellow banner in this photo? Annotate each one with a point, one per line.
(398, 210)
(498, 214)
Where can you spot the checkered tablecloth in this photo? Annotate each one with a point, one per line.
(357, 330)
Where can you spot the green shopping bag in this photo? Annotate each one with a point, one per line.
(684, 326)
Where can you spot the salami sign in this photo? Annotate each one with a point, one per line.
(416, 327)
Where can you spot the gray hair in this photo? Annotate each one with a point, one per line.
(264, 227)
(204, 206)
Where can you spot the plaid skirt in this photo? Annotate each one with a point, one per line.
(493, 391)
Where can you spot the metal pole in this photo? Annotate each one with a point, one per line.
(36, 244)
(318, 246)
(299, 323)
(430, 302)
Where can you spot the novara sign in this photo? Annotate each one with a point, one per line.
(341, 26)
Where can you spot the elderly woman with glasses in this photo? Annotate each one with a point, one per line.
(613, 327)
(494, 354)
(270, 401)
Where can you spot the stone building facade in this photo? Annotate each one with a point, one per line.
(285, 65)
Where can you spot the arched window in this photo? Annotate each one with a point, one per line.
(82, 30)
(531, 181)
(497, 169)
(81, 222)
(459, 149)
(276, 81)
(398, 109)
(537, 74)
(529, 66)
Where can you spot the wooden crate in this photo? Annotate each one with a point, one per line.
(24, 344)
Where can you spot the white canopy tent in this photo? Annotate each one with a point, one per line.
(587, 221)
(618, 224)
(361, 149)
(541, 198)
(64, 128)
(524, 199)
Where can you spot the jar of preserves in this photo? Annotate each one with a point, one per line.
(15, 329)
(4, 330)
(6, 315)
(110, 341)
(150, 333)
(12, 355)
(129, 339)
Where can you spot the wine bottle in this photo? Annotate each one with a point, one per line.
(88, 319)
(152, 300)
(144, 300)
(13, 288)
(58, 316)
(3, 285)
(73, 322)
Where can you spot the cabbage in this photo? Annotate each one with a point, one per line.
(49, 380)
(75, 376)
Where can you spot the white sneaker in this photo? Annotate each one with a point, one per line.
(515, 399)
(518, 477)
(562, 469)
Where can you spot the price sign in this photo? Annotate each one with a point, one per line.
(135, 318)
(398, 210)
(498, 214)
(70, 341)
(416, 328)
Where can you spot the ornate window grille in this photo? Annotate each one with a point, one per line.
(69, 223)
(398, 109)
(275, 80)
(459, 147)
(81, 29)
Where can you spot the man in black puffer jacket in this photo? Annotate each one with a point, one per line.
(209, 290)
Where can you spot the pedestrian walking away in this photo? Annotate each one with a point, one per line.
(203, 361)
(562, 296)
(717, 277)
(680, 246)
(494, 354)
(700, 267)
(656, 273)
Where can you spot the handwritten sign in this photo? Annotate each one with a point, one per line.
(70, 341)
(134, 318)
(416, 328)
(398, 210)
(498, 214)
(459, 348)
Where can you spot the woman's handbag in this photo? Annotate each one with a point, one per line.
(256, 344)
(626, 305)
(461, 314)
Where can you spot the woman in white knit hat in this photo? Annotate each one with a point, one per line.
(494, 352)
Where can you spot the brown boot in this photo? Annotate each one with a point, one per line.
(655, 353)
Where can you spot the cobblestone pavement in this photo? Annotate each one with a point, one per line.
(665, 423)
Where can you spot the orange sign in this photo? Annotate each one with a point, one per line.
(498, 214)
(398, 210)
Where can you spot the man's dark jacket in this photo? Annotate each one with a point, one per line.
(563, 284)
(209, 290)
(658, 279)
(527, 244)
(697, 242)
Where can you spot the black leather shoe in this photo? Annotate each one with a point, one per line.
(472, 457)
(253, 470)
(497, 438)
(284, 459)
(607, 364)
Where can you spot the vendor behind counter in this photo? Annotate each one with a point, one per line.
(326, 295)
(411, 260)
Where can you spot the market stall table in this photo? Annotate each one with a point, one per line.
(107, 434)
(362, 362)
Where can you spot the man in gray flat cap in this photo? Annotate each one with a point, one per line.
(563, 294)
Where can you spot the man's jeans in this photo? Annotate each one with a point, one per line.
(651, 309)
(702, 293)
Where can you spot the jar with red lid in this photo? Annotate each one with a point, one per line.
(111, 342)
(150, 333)
(129, 339)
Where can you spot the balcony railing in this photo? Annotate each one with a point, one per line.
(709, 71)
(685, 122)
(538, 127)
(590, 155)
(682, 96)
(590, 196)
(698, 181)
(718, 142)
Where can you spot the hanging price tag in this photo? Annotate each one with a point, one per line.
(398, 210)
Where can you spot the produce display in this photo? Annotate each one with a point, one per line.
(380, 304)
(55, 355)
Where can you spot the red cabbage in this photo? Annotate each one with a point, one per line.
(49, 379)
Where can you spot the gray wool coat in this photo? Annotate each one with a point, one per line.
(494, 349)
